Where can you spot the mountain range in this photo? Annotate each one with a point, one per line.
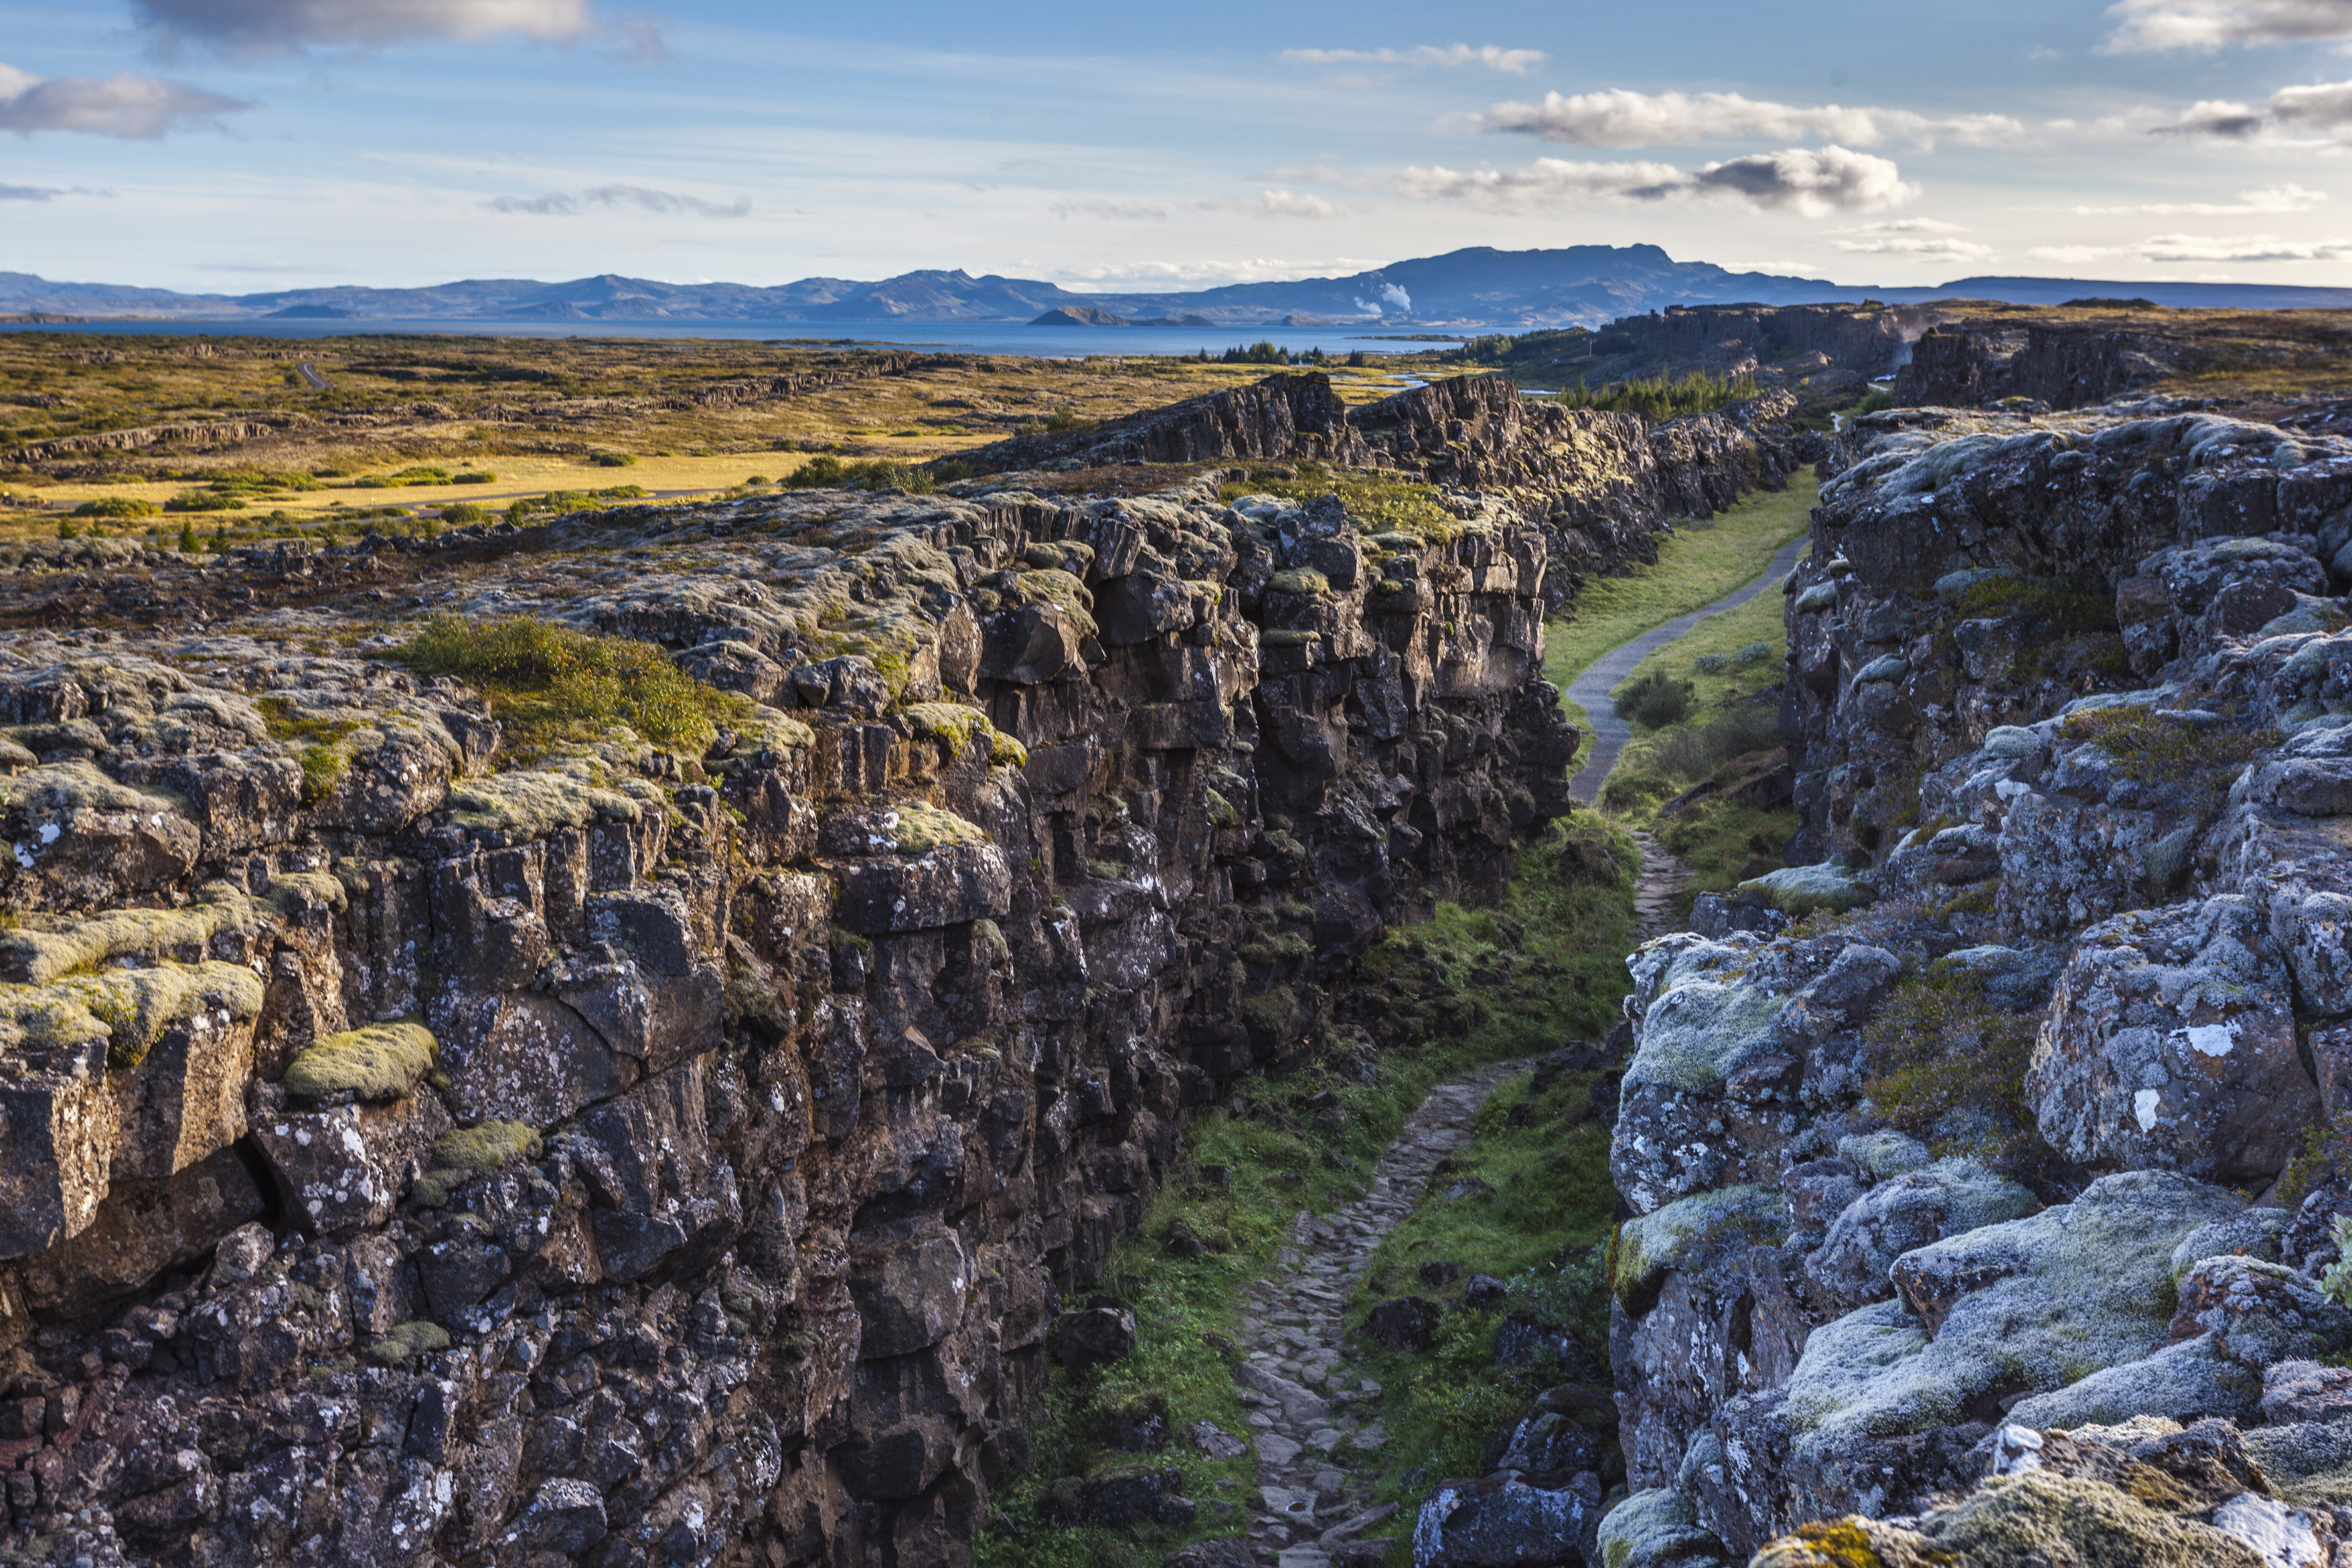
(1581, 285)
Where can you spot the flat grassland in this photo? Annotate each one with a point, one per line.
(148, 419)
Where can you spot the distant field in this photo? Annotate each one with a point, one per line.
(697, 415)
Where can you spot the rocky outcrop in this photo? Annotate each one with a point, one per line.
(2006, 1150)
(2059, 364)
(429, 1146)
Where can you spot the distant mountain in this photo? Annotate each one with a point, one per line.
(1581, 285)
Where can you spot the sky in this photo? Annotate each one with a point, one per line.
(234, 147)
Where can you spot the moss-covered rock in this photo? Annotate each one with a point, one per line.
(406, 1343)
(481, 1150)
(128, 1008)
(382, 1061)
(1685, 1233)
(1654, 1528)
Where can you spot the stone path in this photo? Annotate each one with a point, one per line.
(1591, 691)
(1661, 876)
(1301, 1380)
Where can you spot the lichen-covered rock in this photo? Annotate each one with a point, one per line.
(1903, 1211)
(2171, 1043)
(1656, 1528)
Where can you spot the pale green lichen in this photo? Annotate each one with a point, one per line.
(1285, 636)
(469, 1151)
(1221, 810)
(1302, 580)
(80, 785)
(382, 1061)
(128, 1008)
(406, 1343)
(292, 891)
(1799, 890)
(1659, 1524)
(1694, 1034)
(36, 957)
(761, 732)
(530, 803)
(1060, 555)
(957, 724)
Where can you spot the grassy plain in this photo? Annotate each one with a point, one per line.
(698, 415)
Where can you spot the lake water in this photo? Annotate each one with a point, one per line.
(966, 337)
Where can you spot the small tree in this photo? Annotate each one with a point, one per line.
(187, 537)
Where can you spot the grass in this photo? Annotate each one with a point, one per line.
(1465, 987)
(1537, 1215)
(1698, 564)
(548, 683)
(1380, 502)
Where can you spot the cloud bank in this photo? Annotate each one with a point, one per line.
(139, 107)
(1799, 179)
(279, 27)
(1511, 62)
(566, 204)
(2312, 115)
(2151, 25)
(1618, 118)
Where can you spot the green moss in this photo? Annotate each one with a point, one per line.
(478, 1151)
(548, 683)
(1998, 596)
(1221, 810)
(128, 1008)
(406, 1343)
(1058, 587)
(1944, 1064)
(1305, 581)
(917, 827)
(2152, 747)
(1683, 1232)
(1287, 636)
(957, 724)
(37, 956)
(382, 1061)
(1381, 504)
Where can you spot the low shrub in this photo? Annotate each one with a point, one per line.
(614, 460)
(1755, 652)
(1945, 1064)
(204, 500)
(1654, 700)
(2152, 747)
(1713, 663)
(1695, 752)
(457, 514)
(117, 506)
(548, 682)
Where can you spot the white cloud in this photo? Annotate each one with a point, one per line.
(1116, 211)
(141, 107)
(2287, 198)
(2305, 116)
(1511, 62)
(2076, 255)
(1293, 204)
(1914, 245)
(2247, 247)
(2210, 24)
(28, 192)
(1618, 118)
(272, 27)
(565, 204)
(1267, 204)
(1797, 179)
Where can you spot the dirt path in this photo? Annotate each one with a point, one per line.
(1301, 1380)
(1661, 875)
(1591, 691)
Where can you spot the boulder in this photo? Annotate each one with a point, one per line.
(352, 1165)
(1906, 1211)
(2171, 1044)
(1094, 1336)
(1405, 1323)
(910, 1282)
(1130, 1497)
(1501, 1521)
(2295, 1390)
(1799, 890)
(1657, 1528)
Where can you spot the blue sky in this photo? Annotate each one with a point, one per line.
(235, 145)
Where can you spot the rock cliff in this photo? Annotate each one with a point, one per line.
(434, 1139)
(1600, 485)
(1971, 1172)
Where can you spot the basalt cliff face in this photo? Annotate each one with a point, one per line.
(1974, 1214)
(1600, 486)
(420, 1152)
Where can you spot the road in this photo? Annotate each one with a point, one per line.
(310, 374)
